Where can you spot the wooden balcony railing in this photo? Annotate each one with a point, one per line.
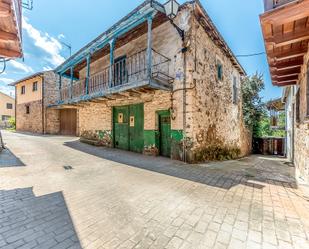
(125, 71)
(273, 4)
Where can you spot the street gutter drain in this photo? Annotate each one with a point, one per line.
(68, 167)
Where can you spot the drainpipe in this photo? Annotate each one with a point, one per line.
(43, 107)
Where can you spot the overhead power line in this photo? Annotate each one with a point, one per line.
(250, 55)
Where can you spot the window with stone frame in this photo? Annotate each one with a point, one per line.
(219, 67)
(297, 111)
(23, 89)
(27, 109)
(235, 91)
(34, 86)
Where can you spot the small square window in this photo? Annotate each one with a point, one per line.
(34, 86)
(219, 70)
(9, 106)
(23, 89)
(27, 109)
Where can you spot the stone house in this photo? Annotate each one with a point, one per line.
(158, 86)
(7, 109)
(286, 37)
(32, 96)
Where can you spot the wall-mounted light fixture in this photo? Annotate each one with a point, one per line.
(171, 8)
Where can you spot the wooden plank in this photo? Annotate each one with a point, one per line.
(281, 65)
(6, 36)
(285, 78)
(286, 14)
(286, 72)
(288, 38)
(9, 53)
(5, 9)
(288, 54)
(287, 83)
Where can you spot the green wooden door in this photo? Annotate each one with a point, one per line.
(165, 135)
(136, 128)
(121, 127)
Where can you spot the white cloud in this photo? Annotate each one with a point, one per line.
(46, 42)
(9, 90)
(21, 66)
(6, 80)
(61, 36)
(48, 68)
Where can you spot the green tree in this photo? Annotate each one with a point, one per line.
(253, 107)
(12, 123)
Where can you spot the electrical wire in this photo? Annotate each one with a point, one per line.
(4, 64)
(250, 55)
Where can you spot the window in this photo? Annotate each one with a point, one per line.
(34, 86)
(27, 109)
(307, 91)
(23, 89)
(5, 117)
(235, 90)
(9, 106)
(219, 70)
(298, 106)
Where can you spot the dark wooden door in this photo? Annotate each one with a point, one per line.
(121, 127)
(68, 122)
(165, 135)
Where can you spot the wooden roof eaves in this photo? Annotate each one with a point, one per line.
(16, 9)
(133, 19)
(218, 38)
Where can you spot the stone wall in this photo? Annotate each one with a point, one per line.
(32, 122)
(301, 140)
(51, 96)
(214, 124)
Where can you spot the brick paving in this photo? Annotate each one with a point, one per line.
(116, 199)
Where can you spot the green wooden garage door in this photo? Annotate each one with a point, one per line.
(129, 127)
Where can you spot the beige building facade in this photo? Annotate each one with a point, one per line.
(7, 109)
(156, 90)
(33, 95)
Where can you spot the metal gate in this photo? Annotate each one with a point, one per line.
(129, 127)
(68, 122)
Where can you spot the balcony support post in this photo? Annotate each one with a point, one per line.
(60, 84)
(88, 74)
(71, 84)
(111, 61)
(149, 47)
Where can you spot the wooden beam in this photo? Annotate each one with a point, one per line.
(286, 72)
(287, 64)
(286, 78)
(6, 36)
(289, 13)
(288, 38)
(287, 83)
(288, 54)
(5, 9)
(9, 53)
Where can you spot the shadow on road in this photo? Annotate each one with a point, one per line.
(28, 221)
(8, 159)
(222, 175)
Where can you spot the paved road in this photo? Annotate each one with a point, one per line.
(58, 193)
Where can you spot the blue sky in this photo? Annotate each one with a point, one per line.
(77, 22)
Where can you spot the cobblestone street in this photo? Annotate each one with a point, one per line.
(58, 193)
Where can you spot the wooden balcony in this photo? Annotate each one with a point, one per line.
(273, 4)
(126, 74)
